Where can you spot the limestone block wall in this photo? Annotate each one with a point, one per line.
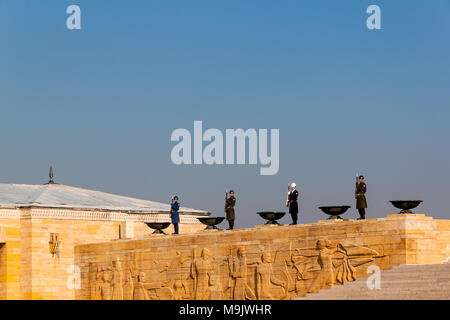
(10, 258)
(29, 269)
(2, 271)
(266, 262)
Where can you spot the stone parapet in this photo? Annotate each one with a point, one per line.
(265, 262)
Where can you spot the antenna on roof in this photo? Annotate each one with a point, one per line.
(50, 174)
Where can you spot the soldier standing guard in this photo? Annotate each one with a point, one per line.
(292, 203)
(174, 207)
(361, 202)
(229, 208)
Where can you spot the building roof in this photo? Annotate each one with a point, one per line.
(62, 196)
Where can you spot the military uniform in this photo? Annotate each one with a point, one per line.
(361, 202)
(229, 209)
(293, 205)
(174, 207)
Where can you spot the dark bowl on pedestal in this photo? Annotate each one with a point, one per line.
(334, 211)
(158, 226)
(405, 205)
(271, 216)
(211, 222)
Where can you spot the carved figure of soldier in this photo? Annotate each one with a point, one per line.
(265, 278)
(241, 290)
(106, 284)
(202, 273)
(128, 287)
(140, 291)
(176, 276)
(117, 280)
(97, 292)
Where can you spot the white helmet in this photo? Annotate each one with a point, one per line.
(293, 185)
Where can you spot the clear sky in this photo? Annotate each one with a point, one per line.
(100, 103)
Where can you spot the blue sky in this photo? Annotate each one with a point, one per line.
(100, 103)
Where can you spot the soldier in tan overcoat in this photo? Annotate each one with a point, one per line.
(360, 196)
(229, 208)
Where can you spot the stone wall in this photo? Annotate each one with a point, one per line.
(266, 262)
(29, 269)
(2, 271)
(10, 259)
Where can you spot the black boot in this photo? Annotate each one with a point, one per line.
(362, 214)
(294, 219)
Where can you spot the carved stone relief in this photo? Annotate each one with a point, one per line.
(245, 273)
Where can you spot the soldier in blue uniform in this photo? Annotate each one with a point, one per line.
(174, 207)
(292, 203)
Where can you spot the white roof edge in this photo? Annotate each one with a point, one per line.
(75, 198)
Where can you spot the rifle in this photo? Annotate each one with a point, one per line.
(356, 185)
(226, 197)
(289, 191)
